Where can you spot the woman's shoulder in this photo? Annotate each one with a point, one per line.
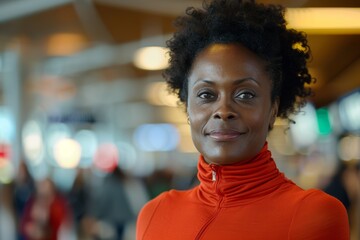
(317, 201)
(319, 216)
(291, 192)
(167, 197)
(311, 201)
(161, 204)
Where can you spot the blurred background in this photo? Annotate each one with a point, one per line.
(89, 132)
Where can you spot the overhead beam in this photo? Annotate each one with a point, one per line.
(345, 82)
(100, 56)
(164, 7)
(11, 10)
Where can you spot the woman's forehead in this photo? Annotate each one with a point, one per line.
(233, 61)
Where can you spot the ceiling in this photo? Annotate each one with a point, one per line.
(335, 62)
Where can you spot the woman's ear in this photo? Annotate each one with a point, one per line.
(274, 112)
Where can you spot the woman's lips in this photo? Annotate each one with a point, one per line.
(224, 135)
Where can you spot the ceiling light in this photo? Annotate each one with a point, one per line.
(324, 20)
(151, 58)
(65, 44)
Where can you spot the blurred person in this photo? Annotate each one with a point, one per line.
(7, 219)
(46, 213)
(23, 190)
(345, 186)
(337, 188)
(352, 186)
(236, 67)
(158, 182)
(109, 210)
(78, 198)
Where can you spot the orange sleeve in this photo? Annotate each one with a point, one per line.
(320, 216)
(145, 216)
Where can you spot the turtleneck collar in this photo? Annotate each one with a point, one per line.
(239, 183)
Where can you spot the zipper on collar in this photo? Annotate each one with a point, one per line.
(215, 177)
(213, 172)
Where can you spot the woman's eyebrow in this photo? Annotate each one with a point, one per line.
(203, 81)
(236, 82)
(239, 81)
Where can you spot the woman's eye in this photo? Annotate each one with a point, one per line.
(206, 95)
(245, 95)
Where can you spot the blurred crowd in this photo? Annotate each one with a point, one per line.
(105, 207)
(98, 206)
(345, 186)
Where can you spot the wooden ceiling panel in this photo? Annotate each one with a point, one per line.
(333, 53)
(127, 25)
(60, 19)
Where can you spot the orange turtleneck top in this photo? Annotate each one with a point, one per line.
(250, 200)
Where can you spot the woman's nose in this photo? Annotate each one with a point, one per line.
(225, 111)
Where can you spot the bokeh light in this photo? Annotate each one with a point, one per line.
(4, 152)
(56, 132)
(349, 148)
(7, 126)
(305, 131)
(7, 172)
(349, 110)
(33, 143)
(88, 142)
(158, 94)
(106, 157)
(67, 153)
(156, 137)
(151, 58)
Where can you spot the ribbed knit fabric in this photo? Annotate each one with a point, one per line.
(247, 200)
(239, 183)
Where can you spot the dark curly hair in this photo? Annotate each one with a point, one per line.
(261, 28)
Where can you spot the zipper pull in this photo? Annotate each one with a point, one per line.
(213, 175)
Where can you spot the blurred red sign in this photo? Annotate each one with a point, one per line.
(4, 151)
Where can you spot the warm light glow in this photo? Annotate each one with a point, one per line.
(7, 172)
(33, 143)
(158, 94)
(349, 148)
(281, 122)
(64, 44)
(67, 153)
(186, 144)
(3, 161)
(324, 20)
(56, 132)
(151, 58)
(173, 115)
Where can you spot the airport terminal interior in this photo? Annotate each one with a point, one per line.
(85, 112)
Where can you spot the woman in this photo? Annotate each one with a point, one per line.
(236, 68)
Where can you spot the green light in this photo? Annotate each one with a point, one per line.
(323, 121)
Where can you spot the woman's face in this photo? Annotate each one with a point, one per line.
(229, 103)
